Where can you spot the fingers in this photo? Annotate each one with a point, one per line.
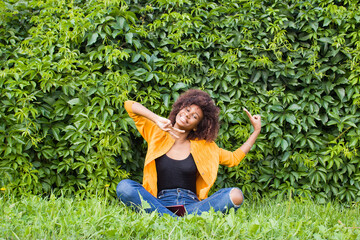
(170, 129)
(256, 117)
(247, 113)
(173, 134)
(178, 130)
(255, 120)
(175, 129)
(166, 125)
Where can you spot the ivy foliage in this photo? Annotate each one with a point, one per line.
(68, 66)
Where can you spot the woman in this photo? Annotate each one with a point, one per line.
(182, 160)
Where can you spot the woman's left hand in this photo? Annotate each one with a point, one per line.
(255, 120)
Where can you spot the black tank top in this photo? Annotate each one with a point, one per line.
(176, 173)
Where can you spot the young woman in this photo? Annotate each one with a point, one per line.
(182, 160)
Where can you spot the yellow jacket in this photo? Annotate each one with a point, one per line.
(207, 155)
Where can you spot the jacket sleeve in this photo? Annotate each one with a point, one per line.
(229, 158)
(145, 126)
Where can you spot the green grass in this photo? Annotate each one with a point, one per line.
(33, 217)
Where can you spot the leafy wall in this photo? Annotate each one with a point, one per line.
(68, 66)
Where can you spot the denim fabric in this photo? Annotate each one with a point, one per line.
(128, 192)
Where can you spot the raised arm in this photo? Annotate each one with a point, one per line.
(163, 123)
(256, 122)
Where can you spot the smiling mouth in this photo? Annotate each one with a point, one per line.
(182, 119)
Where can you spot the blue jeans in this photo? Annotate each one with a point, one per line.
(135, 195)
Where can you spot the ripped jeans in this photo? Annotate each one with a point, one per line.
(129, 191)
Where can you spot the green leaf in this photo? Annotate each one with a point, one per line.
(166, 98)
(120, 23)
(314, 25)
(291, 119)
(256, 76)
(149, 77)
(178, 86)
(74, 101)
(224, 85)
(286, 156)
(325, 40)
(135, 57)
(225, 98)
(138, 72)
(278, 141)
(207, 55)
(294, 107)
(92, 39)
(284, 144)
(264, 178)
(254, 228)
(144, 203)
(129, 37)
(340, 92)
(327, 21)
(276, 108)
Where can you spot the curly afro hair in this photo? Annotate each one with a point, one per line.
(208, 127)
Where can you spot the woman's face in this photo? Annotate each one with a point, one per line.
(189, 117)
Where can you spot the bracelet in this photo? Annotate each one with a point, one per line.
(248, 144)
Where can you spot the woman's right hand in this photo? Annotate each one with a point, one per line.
(165, 125)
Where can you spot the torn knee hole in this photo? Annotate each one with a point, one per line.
(236, 196)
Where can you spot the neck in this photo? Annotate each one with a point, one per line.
(181, 139)
(182, 136)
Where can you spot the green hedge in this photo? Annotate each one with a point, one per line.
(68, 66)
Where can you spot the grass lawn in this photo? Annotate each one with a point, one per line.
(32, 217)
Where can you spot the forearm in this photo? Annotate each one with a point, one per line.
(139, 109)
(250, 141)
